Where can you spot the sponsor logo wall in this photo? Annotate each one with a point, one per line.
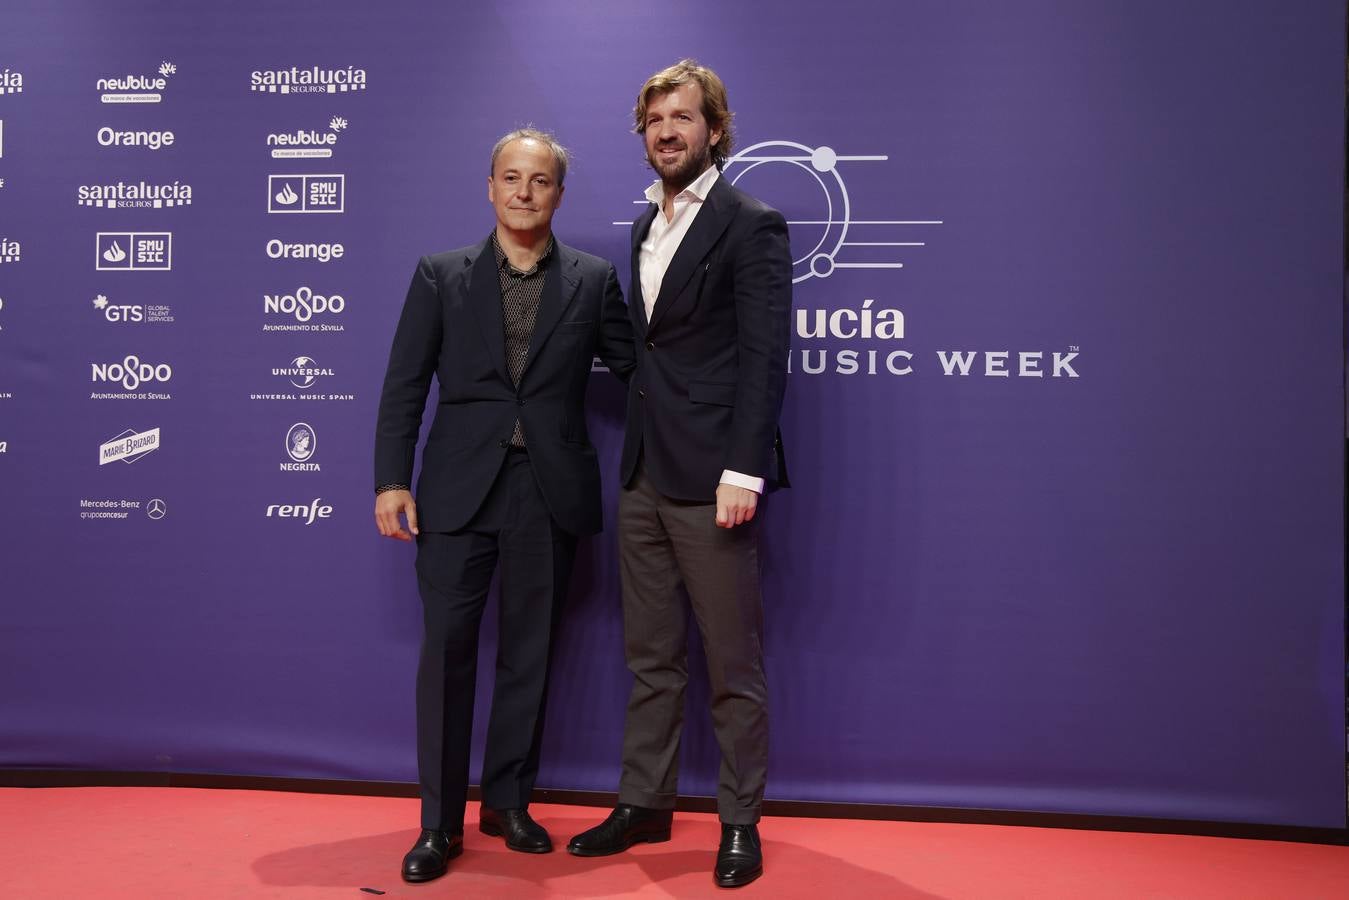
(1040, 453)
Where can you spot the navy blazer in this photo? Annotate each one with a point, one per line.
(712, 362)
(451, 327)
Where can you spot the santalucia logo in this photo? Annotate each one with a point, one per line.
(11, 82)
(137, 195)
(303, 305)
(130, 373)
(10, 251)
(313, 80)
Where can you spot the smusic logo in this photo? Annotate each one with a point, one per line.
(136, 88)
(306, 193)
(307, 81)
(123, 251)
(128, 446)
(301, 444)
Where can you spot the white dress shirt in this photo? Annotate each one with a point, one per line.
(658, 248)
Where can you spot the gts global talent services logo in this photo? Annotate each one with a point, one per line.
(308, 81)
(133, 313)
(307, 144)
(136, 88)
(301, 445)
(134, 195)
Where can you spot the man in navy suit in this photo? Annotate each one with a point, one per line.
(710, 307)
(508, 327)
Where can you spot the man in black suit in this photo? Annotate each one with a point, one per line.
(508, 327)
(710, 306)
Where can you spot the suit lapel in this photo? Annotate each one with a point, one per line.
(560, 282)
(639, 230)
(484, 298)
(716, 213)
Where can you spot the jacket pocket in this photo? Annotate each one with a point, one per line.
(716, 393)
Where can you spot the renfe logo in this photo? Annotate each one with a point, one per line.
(315, 510)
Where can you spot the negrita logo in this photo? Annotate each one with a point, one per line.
(301, 445)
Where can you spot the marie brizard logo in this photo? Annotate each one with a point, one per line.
(136, 88)
(129, 446)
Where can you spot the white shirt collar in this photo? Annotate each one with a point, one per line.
(700, 187)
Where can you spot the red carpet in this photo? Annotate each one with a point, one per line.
(188, 843)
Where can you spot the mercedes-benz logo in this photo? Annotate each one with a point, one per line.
(156, 509)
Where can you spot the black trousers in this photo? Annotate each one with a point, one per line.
(454, 571)
(664, 542)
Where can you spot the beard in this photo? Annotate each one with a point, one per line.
(678, 176)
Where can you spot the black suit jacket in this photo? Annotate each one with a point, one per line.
(712, 362)
(451, 327)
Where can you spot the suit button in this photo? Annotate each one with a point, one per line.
(520, 402)
(504, 444)
(641, 395)
(650, 345)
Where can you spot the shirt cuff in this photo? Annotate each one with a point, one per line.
(748, 482)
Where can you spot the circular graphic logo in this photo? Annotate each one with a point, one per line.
(156, 509)
(301, 442)
(305, 374)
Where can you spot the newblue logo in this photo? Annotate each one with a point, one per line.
(306, 193)
(124, 251)
(308, 81)
(307, 144)
(136, 88)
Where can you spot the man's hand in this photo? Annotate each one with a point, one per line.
(387, 507)
(735, 505)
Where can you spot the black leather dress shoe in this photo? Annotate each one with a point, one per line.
(740, 856)
(626, 825)
(520, 831)
(432, 853)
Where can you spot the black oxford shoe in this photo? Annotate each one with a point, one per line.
(740, 856)
(520, 831)
(626, 825)
(432, 853)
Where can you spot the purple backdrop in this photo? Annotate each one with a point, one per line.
(1065, 416)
